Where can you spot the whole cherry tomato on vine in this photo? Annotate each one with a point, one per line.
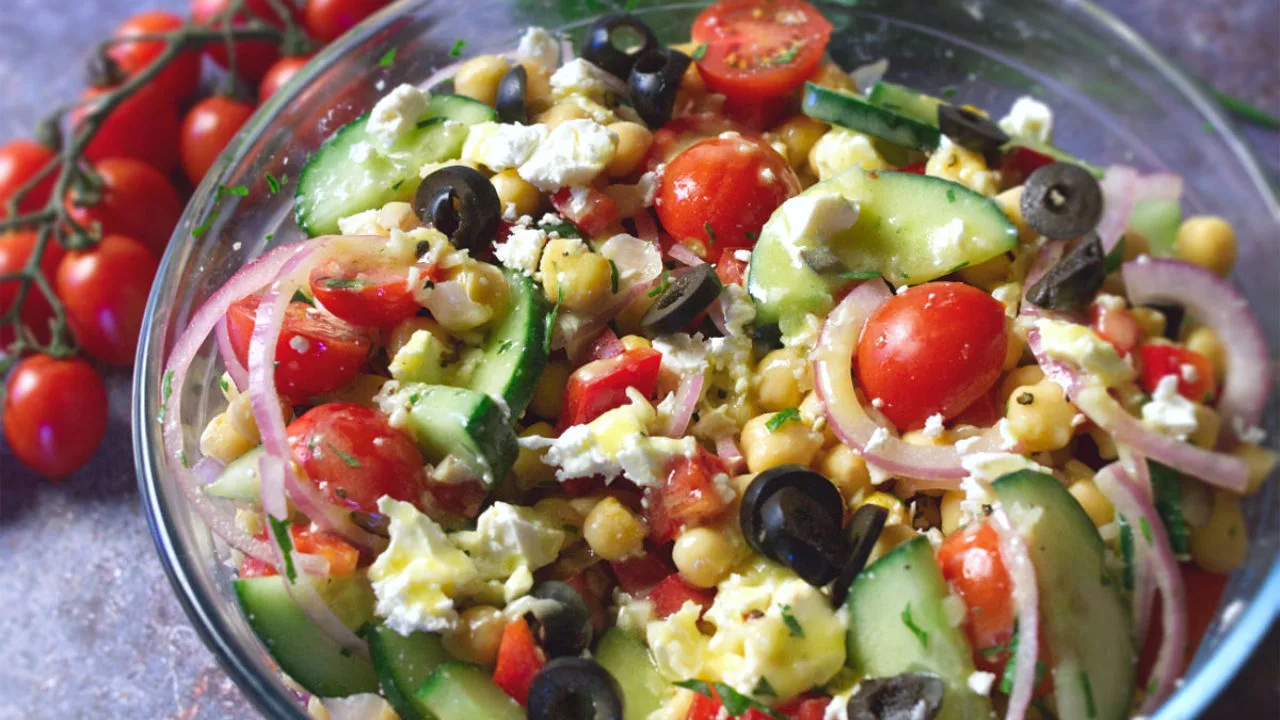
(253, 57)
(129, 186)
(179, 77)
(55, 414)
(279, 74)
(20, 160)
(143, 126)
(327, 19)
(207, 129)
(104, 290)
(15, 250)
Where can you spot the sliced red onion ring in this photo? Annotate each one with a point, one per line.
(239, 375)
(729, 453)
(1158, 186)
(1213, 302)
(686, 401)
(866, 76)
(1131, 501)
(646, 228)
(1026, 597)
(439, 76)
(931, 467)
(1046, 257)
(1119, 190)
(208, 469)
(683, 255)
(576, 339)
(1135, 467)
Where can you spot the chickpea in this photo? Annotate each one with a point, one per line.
(548, 392)
(1106, 445)
(831, 76)
(1010, 203)
(477, 635)
(478, 78)
(405, 329)
(1206, 342)
(529, 470)
(797, 135)
(814, 415)
(537, 88)
(782, 377)
(848, 470)
(790, 442)
(704, 556)
(573, 277)
(1208, 427)
(1014, 347)
(990, 274)
(1040, 417)
(1261, 462)
(516, 193)
(634, 140)
(1221, 544)
(561, 513)
(221, 441)
(635, 342)
(951, 510)
(1208, 241)
(1150, 320)
(562, 112)
(612, 531)
(1135, 245)
(1095, 504)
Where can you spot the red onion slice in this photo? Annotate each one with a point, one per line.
(1131, 501)
(576, 339)
(1215, 303)
(207, 469)
(1158, 186)
(682, 254)
(729, 453)
(1119, 190)
(239, 375)
(646, 228)
(1046, 257)
(686, 401)
(932, 467)
(1026, 596)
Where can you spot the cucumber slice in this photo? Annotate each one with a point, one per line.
(464, 423)
(1158, 221)
(239, 480)
(910, 229)
(1053, 152)
(906, 101)
(1085, 621)
(301, 649)
(897, 624)
(515, 351)
(351, 172)
(849, 110)
(459, 691)
(628, 661)
(403, 665)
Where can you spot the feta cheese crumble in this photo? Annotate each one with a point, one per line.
(539, 47)
(499, 146)
(396, 113)
(1169, 412)
(416, 577)
(574, 153)
(1029, 118)
(580, 77)
(522, 250)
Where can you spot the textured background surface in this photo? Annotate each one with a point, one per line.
(89, 626)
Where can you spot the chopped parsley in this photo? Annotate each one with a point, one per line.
(269, 237)
(1006, 681)
(272, 183)
(860, 274)
(949, 91)
(613, 276)
(750, 235)
(793, 625)
(340, 283)
(564, 230)
(699, 52)
(1146, 530)
(551, 321)
(413, 398)
(1246, 111)
(780, 418)
(711, 234)
(166, 389)
(915, 629)
(299, 296)
(223, 191)
(784, 57)
(223, 384)
(764, 689)
(182, 457)
(397, 185)
(1113, 259)
(734, 702)
(571, 529)
(280, 528)
(456, 50)
(388, 58)
(1091, 708)
(661, 287)
(951, 195)
(200, 230)
(505, 346)
(350, 461)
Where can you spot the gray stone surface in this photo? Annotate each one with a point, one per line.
(89, 626)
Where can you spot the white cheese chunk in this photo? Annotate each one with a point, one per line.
(522, 250)
(1029, 118)
(574, 153)
(1169, 412)
(540, 47)
(499, 146)
(580, 77)
(396, 113)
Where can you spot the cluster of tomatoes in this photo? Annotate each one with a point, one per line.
(147, 152)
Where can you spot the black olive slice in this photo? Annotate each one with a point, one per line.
(1073, 282)
(563, 625)
(862, 534)
(971, 131)
(799, 533)
(510, 101)
(1061, 201)
(654, 81)
(765, 484)
(600, 49)
(462, 204)
(684, 299)
(574, 688)
(909, 696)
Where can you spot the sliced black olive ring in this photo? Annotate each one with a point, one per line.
(1061, 201)
(562, 626)
(792, 514)
(909, 696)
(510, 100)
(462, 204)
(862, 534)
(685, 299)
(971, 131)
(600, 48)
(654, 82)
(573, 688)
(1071, 283)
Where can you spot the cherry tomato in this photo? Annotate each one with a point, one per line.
(104, 290)
(970, 561)
(20, 160)
(731, 270)
(688, 497)
(354, 456)
(935, 348)
(601, 385)
(253, 57)
(673, 592)
(143, 126)
(368, 296)
(983, 412)
(1017, 163)
(704, 708)
(55, 414)
(317, 353)
(15, 251)
(590, 209)
(342, 556)
(637, 575)
(683, 132)
(207, 129)
(130, 185)
(326, 20)
(179, 77)
(1116, 325)
(1193, 370)
(759, 49)
(280, 73)
(519, 659)
(716, 195)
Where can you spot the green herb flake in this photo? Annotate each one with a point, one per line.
(1146, 530)
(182, 458)
(166, 390)
(505, 346)
(340, 283)
(269, 237)
(613, 276)
(764, 689)
(284, 179)
(1126, 549)
(1208, 128)
(388, 58)
(1114, 259)
(397, 185)
(959, 267)
(786, 56)
(200, 230)
(413, 398)
(788, 619)
(456, 50)
(350, 461)
(1091, 708)
(711, 234)
(734, 702)
(280, 528)
(859, 274)
(571, 529)
(951, 195)
(661, 287)
(751, 235)
(551, 321)
(949, 91)
(1168, 504)
(699, 52)
(299, 296)
(781, 418)
(915, 629)
(273, 185)
(238, 191)
(1246, 111)
(223, 384)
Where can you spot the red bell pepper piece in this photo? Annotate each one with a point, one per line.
(1018, 162)
(1116, 325)
(590, 209)
(672, 593)
(601, 385)
(688, 497)
(519, 659)
(1195, 382)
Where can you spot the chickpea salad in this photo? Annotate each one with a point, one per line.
(707, 380)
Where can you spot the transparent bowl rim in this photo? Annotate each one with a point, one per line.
(1190, 699)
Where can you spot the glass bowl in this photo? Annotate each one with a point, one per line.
(1115, 100)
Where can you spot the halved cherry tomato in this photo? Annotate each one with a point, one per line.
(342, 556)
(935, 348)
(759, 49)
(104, 290)
(970, 561)
(682, 133)
(377, 296)
(20, 160)
(590, 209)
(144, 126)
(55, 414)
(519, 659)
(601, 385)
(638, 575)
(15, 251)
(328, 19)
(352, 454)
(673, 592)
(803, 708)
(127, 186)
(704, 708)
(983, 412)
(206, 130)
(1194, 371)
(716, 195)
(1116, 325)
(687, 497)
(317, 353)
(731, 270)
(179, 77)
(252, 567)
(253, 57)
(280, 73)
